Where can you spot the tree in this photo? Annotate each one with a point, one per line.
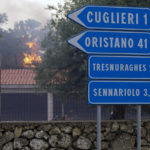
(64, 68)
(64, 60)
(3, 19)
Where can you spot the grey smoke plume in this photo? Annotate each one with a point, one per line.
(17, 10)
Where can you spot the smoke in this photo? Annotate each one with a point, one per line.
(17, 10)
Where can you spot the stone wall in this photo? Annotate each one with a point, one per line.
(71, 136)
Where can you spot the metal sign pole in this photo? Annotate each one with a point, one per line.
(0, 88)
(98, 127)
(138, 127)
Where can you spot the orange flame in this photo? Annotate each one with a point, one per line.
(33, 45)
(31, 59)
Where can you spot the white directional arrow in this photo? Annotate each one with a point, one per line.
(74, 41)
(74, 16)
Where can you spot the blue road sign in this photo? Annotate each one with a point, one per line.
(110, 17)
(119, 92)
(112, 42)
(118, 67)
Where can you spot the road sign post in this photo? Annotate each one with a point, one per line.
(138, 127)
(120, 43)
(99, 127)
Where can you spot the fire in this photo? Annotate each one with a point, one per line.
(32, 45)
(31, 59)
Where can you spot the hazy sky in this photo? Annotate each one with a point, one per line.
(26, 9)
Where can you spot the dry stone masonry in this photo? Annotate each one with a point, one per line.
(72, 136)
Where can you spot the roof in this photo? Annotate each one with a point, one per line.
(17, 77)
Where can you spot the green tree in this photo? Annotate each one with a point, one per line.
(3, 18)
(65, 65)
(64, 68)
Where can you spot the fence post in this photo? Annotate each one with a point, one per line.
(49, 106)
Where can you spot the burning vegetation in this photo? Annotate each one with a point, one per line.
(33, 58)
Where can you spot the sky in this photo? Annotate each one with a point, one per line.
(17, 10)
